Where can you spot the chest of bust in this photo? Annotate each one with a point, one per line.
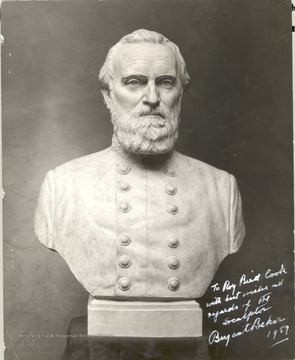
(145, 231)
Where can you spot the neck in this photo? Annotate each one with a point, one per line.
(144, 158)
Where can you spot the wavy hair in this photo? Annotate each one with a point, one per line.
(140, 36)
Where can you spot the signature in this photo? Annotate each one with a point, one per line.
(245, 306)
(216, 337)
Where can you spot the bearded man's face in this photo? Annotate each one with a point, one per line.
(144, 98)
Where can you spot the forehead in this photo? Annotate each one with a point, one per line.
(145, 59)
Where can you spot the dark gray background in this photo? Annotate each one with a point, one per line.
(236, 116)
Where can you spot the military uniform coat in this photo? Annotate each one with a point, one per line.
(128, 228)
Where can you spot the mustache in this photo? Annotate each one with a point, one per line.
(160, 113)
(143, 118)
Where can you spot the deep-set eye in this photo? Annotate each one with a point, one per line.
(133, 83)
(167, 83)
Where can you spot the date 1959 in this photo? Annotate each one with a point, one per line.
(273, 334)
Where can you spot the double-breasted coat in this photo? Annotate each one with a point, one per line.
(136, 229)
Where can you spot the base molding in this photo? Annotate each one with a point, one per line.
(144, 318)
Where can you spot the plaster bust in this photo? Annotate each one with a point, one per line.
(139, 219)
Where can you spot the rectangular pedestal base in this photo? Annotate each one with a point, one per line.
(144, 319)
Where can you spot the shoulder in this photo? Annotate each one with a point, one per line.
(199, 169)
(81, 171)
(84, 164)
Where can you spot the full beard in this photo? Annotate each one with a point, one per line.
(143, 131)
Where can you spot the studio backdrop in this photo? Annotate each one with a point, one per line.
(236, 116)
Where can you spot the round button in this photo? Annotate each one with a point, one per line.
(169, 171)
(172, 209)
(124, 186)
(124, 261)
(124, 283)
(173, 242)
(123, 169)
(173, 284)
(171, 189)
(173, 262)
(124, 239)
(124, 207)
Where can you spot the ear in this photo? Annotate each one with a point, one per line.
(106, 93)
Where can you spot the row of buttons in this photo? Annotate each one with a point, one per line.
(170, 189)
(172, 209)
(173, 284)
(125, 240)
(124, 169)
(125, 262)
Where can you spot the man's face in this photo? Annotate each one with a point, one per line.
(144, 98)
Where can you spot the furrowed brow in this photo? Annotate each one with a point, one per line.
(164, 77)
(141, 78)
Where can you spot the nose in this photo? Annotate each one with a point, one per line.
(151, 96)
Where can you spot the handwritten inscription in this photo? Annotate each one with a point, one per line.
(246, 306)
